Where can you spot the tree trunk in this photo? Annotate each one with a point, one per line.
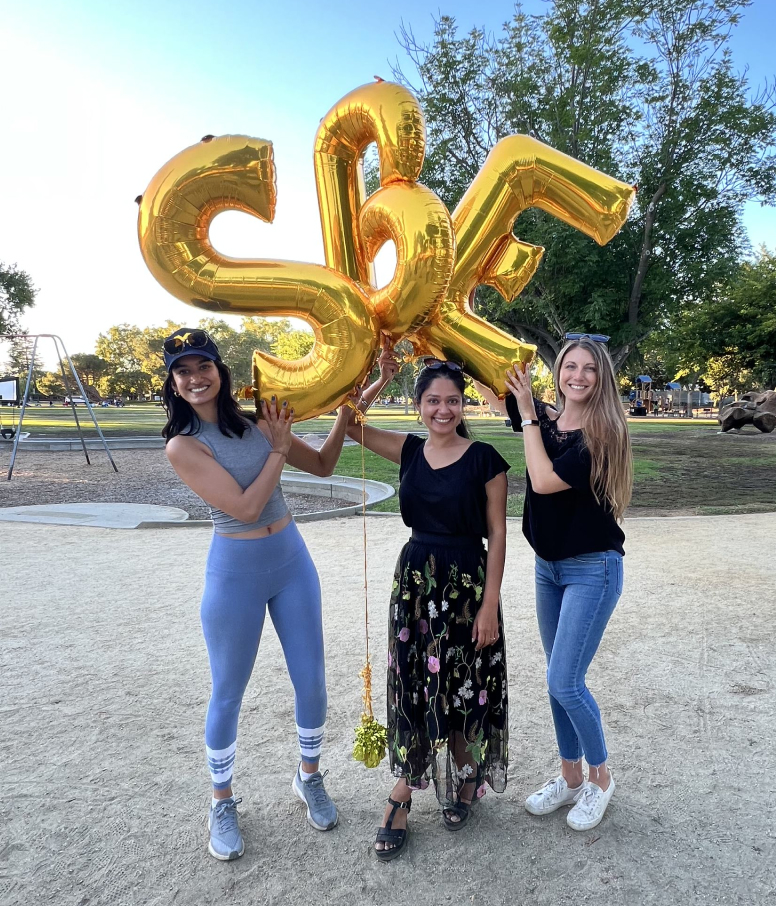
(646, 250)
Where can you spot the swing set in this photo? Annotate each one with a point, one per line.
(14, 433)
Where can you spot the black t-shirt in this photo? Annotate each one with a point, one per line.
(567, 523)
(451, 500)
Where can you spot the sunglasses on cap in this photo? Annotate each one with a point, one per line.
(595, 337)
(433, 364)
(194, 339)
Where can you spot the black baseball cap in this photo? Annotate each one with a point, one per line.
(189, 341)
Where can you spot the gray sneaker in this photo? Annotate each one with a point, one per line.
(226, 841)
(321, 811)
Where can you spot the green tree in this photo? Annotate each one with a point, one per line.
(730, 337)
(17, 362)
(724, 377)
(673, 116)
(16, 294)
(129, 349)
(50, 384)
(134, 384)
(119, 346)
(295, 344)
(237, 344)
(91, 368)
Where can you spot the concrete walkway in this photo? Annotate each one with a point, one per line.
(97, 515)
(105, 686)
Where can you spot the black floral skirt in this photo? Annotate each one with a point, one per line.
(447, 702)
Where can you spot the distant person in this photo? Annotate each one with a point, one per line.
(579, 478)
(257, 561)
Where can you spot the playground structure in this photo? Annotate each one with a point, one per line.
(646, 400)
(70, 382)
(641, 399)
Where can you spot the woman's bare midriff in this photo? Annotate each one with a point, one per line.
(272, 529)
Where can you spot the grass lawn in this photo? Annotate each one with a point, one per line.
(681, 467)
(684, 468)
(142, 419)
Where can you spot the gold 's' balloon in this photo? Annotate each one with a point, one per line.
(520, 172)
(176, 210)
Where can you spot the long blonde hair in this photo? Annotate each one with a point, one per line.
(605, 429)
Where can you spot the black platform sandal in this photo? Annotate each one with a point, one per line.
(462, 810)
(396, 838)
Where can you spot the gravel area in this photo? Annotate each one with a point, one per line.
(144, 476)
(105, 685)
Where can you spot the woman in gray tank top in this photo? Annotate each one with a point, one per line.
(257, 562)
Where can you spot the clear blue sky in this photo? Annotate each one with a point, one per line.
(97, 96)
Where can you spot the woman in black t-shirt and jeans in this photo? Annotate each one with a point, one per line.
(579, 479)
(447, 682)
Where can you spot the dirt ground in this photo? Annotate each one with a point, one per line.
(105, 685)
(144, 476)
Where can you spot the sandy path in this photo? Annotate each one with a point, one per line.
(105, 686)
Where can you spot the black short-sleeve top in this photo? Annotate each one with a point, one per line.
(451, 500)
(571, 522)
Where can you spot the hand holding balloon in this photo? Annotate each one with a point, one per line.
(519, 384)
(279, 421)
(388, 362)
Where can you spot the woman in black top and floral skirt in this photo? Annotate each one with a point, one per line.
(447, 681)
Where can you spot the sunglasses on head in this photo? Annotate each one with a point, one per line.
(595, 337)
(194, 339)
(433, 364)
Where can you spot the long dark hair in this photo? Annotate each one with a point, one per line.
(182, 419)
(424, 379)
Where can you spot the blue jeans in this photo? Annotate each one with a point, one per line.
(574, 600)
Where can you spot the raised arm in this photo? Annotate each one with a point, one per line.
(322, 462)
(539, 465)
(387, 444)
(494, 402)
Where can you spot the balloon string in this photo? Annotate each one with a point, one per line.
(366, 672)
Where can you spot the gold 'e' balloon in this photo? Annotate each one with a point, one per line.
(238, 173)
(520, 172)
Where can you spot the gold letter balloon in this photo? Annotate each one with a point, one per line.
(439, 260)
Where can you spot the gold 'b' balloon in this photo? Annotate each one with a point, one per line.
(520, 172)
(401, 210)
(236, 172)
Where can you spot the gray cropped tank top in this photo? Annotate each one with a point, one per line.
(243, 458)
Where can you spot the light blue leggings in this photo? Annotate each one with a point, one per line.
(242, 579)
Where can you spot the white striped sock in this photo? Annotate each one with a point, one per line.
(310, 742)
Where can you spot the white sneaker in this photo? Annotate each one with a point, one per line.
(590, 806)
(552, 796)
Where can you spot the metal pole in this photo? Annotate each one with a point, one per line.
(73, 406)
(86, 400)
(22, 411)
